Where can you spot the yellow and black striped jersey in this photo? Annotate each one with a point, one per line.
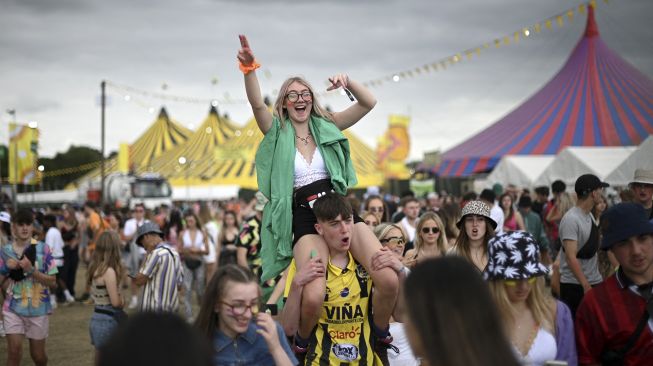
(343, 333)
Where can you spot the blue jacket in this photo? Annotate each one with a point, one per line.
(248, 348)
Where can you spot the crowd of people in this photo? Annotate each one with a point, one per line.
(307, 273)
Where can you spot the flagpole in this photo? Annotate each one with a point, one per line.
(103, 104)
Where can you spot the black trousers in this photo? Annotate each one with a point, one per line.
(572, 294)
(70, 263)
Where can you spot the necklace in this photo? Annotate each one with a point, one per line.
(304, 139)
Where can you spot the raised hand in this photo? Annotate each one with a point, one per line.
(245, 54)
(337, 81)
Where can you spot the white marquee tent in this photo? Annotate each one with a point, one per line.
(642, 158)
(520, 170)
(572, 162)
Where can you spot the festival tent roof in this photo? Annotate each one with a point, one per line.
(642, 158)
(574, 161)
(233, 162)
(520, 170)
(198, 150)
(163, 135)
(596, 99)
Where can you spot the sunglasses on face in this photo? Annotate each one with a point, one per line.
(393, 240)
(434, 230)
(513, 283)
(376, 209)
(293, 96)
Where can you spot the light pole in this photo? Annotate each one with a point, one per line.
(33, 125)
(103, 102)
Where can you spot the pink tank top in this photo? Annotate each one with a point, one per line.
(510, 225)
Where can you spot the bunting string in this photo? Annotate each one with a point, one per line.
(474, 52)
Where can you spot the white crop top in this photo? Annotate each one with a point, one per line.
(307, 174)
(544, 348)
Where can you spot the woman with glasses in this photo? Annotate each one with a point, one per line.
(229, 317)
(476, 229)
(393, 239)
(539, 327)
(430, 240)
(376, 205)
(304, 155)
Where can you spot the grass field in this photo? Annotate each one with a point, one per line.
(69, 342)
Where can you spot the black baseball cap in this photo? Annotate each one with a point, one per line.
(586, 183)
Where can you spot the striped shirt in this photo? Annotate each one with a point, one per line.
(343, 332)
(163, 268)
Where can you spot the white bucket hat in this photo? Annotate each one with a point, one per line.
(643, 176)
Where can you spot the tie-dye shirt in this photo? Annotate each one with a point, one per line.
(28, 297)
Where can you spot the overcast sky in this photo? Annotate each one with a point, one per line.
(53, 55)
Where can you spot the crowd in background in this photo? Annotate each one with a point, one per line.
(516, 238)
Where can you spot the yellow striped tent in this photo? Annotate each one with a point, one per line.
(198, 152)
(163, 135)
(233, 162)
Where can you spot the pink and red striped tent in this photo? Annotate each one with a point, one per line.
(596, 99)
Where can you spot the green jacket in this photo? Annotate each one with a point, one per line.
(275, 167)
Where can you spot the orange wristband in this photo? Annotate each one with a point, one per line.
(247, 69)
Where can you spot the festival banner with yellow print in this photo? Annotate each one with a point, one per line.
(23, 143)
(393, 148)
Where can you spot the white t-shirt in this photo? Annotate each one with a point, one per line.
(131, 227)
(410, 230)
(54, 240)
(496, 213)
(405, 357)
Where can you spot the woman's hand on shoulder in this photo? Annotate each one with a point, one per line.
(245, 54)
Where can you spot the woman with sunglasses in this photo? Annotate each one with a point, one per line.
(476, 229)
(430, 240)
(303, 156)
(539, 327)
(229, 318)
(393, 239)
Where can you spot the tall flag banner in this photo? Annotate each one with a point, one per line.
(23, 144)
(393, 148)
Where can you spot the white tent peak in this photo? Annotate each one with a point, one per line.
(575, 161)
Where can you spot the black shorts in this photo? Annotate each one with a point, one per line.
(303, 218)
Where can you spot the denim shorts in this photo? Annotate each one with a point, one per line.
(101, 328)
